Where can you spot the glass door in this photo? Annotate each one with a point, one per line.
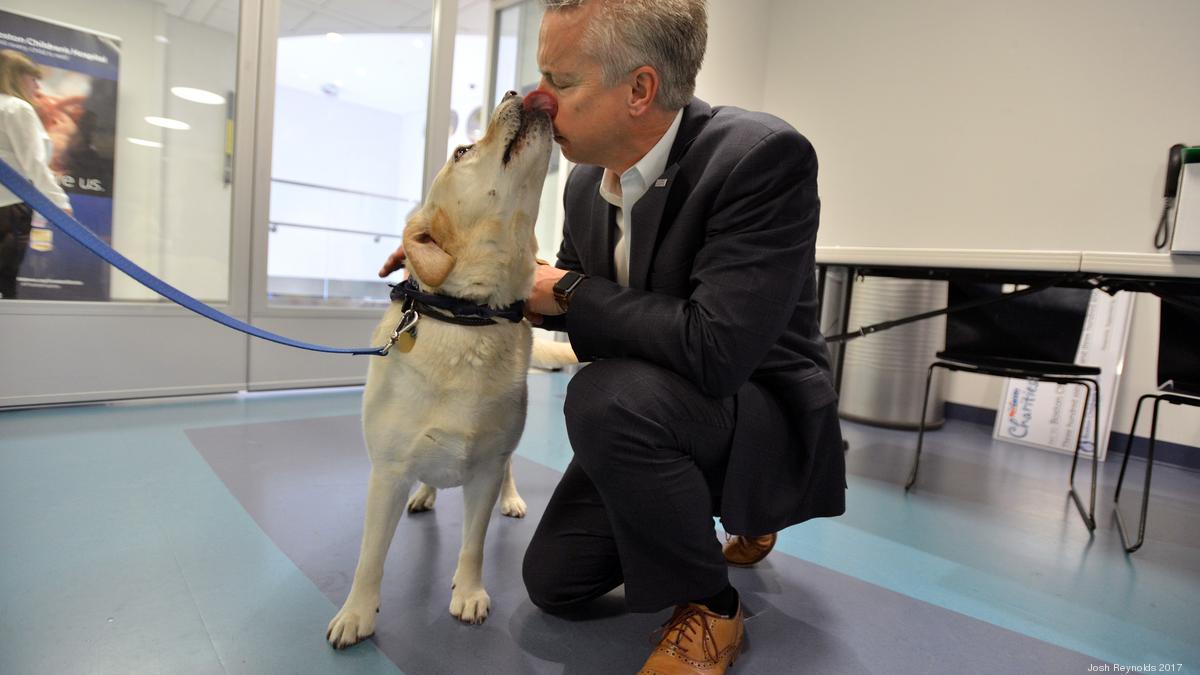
(515, 27)
(261, 157)
(352, 149)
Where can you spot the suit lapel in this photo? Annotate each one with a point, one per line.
(648, 211)
(647, 221)
(601, 242)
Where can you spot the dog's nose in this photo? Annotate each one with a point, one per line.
(541, 101)
(509, 94)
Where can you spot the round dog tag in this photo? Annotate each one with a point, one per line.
(406, 340)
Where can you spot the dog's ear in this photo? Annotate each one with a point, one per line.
(425, 244)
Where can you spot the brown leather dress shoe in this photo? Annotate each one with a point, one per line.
(746, 551)
(696, 641)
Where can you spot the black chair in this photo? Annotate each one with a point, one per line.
(1033, 336)
(1179, 373)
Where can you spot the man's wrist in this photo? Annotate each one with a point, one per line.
(565, 288)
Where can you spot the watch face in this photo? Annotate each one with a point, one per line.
(564, 287)
(565, 282)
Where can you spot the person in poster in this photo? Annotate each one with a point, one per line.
(25, 145)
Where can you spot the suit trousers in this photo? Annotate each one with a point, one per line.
(636, 503)
(16, 221)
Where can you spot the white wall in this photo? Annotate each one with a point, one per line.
(735, 65)
(1016, 125)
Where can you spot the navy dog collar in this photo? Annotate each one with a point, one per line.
(454, 310)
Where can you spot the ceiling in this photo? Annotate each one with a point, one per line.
(317, 17)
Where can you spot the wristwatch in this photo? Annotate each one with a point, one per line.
(565, 288)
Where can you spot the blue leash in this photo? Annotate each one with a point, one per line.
(35, 199)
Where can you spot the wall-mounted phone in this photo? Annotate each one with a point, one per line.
(1170, 193)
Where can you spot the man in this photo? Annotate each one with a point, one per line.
(686, 275)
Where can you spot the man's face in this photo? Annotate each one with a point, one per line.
(591, 116)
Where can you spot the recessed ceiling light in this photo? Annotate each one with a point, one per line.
(144, 142)
(161, 38)
(333, 37)
(198, 95)
(167, 123)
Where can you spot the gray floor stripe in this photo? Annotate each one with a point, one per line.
(304, 482)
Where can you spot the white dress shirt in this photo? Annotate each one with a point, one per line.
(634, 183)
(25, 146)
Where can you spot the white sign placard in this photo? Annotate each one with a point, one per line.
(1045, 414)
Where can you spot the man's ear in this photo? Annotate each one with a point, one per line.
(644, 91)
(425, 244)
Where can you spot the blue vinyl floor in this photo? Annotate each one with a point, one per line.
(219, 536)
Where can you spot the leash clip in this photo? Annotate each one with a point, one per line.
(408, 324)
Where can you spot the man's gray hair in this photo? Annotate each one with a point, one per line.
(669, 35)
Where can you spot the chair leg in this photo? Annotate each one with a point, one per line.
(1095, 455)
(1137, 412)
(912, 475)
(1079, 437)
(1088, 514)
(1146, 488)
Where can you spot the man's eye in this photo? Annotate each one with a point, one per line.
(462, 150)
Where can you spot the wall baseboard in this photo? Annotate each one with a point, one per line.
(970, 413)
(1176, 454)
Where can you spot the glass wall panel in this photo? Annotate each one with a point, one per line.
(135, 98)
(516, 69)
(352, 83)
(468, 107)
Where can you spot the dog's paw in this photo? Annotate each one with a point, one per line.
(513, 507)
(350, 627)
(470, 606)
(422, 499)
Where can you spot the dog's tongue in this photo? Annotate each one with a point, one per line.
(541, 101)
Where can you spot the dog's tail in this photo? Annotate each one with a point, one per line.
(549, 354)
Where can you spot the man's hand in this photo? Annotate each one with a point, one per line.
(394, 262)
(541, 300)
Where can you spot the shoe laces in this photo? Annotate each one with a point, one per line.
(686, 623)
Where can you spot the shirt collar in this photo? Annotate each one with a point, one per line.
(636, 179)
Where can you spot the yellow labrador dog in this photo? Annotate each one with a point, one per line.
(446, 406)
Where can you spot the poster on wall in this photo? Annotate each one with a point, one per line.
(78, 107)
(1045, 414)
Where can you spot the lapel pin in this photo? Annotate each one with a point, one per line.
(661, 182)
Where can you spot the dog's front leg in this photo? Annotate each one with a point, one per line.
(469, 601)
(355, 622)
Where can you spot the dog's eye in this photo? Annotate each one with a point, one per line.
(462, 150)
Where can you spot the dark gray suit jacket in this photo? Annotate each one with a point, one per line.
(722, 291)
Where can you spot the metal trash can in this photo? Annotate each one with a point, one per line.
(884, 373)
